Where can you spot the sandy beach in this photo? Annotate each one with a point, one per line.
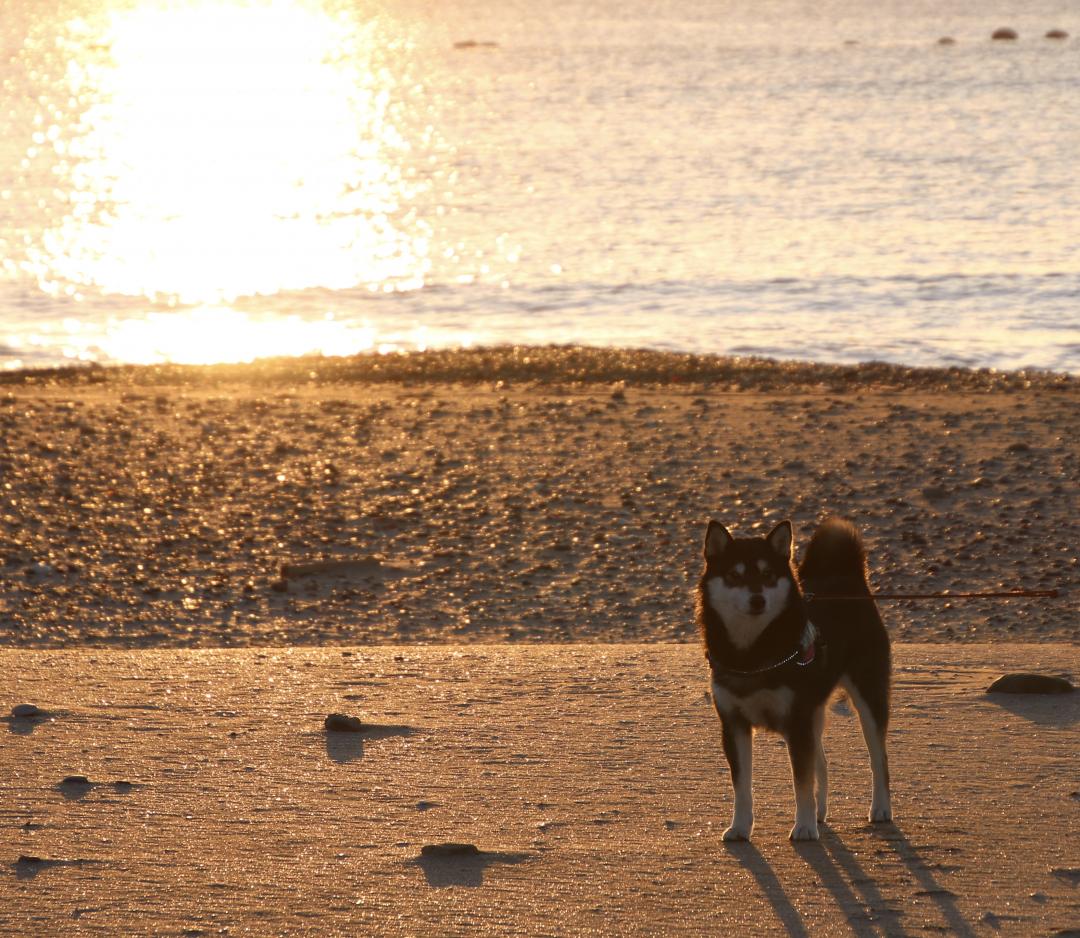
(494, 553)
(196, 792)
(553, 495)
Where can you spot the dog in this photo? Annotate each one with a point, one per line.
(777, 653)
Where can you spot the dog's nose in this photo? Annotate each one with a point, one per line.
(757, 602)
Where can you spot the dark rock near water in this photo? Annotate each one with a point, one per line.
(1025, 683)
(342, 723)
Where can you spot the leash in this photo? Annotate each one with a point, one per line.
(806, 651)
(1002, 594)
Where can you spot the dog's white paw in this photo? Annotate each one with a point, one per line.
(802, 831)
(736, 833)
(880, 815)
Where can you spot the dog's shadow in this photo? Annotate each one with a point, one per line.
(921, 873)
(855, 891)
(750, 858)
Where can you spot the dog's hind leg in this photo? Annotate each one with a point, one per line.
(821, 766)
(872, 705)
(739, 749)
(803, 750)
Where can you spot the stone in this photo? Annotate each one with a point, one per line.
(26, 711)
(1004, 34)
(343, 723)
(450, 850)
(1057, 34)
(1026, 683)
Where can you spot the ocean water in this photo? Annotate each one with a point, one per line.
(218, 180)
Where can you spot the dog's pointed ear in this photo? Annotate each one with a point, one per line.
(780, 539)
(717, 540)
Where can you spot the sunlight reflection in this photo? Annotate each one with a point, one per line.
(229, 149)
(210, 335)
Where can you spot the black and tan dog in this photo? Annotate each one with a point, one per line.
(777, 653)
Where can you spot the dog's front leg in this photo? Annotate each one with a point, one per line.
(803, 750)
(821, 765)
(739, 749)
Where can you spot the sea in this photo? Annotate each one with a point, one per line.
(837, 181)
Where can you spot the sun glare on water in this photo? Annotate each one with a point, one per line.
(230, 149)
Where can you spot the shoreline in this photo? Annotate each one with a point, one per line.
(552, 364)
(192, 507)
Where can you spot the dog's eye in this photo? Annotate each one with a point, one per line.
(768, 578)
(733, 576)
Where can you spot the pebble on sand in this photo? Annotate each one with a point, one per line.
(1005, 33)
(343, 723)
(450, 850)
(1025, 683)
(26, 711)
(27, 864)
(1057, 34)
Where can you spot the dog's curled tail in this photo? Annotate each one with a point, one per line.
(835, 563)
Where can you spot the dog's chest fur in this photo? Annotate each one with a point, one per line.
(768, 707)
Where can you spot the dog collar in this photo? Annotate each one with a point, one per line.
(802, 656)
(808, 645)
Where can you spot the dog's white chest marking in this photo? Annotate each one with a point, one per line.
(767, 707)
(732, 604)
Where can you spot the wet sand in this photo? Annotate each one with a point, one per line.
(551, 495)
(204, 797)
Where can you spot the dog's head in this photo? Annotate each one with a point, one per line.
(748, 581)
